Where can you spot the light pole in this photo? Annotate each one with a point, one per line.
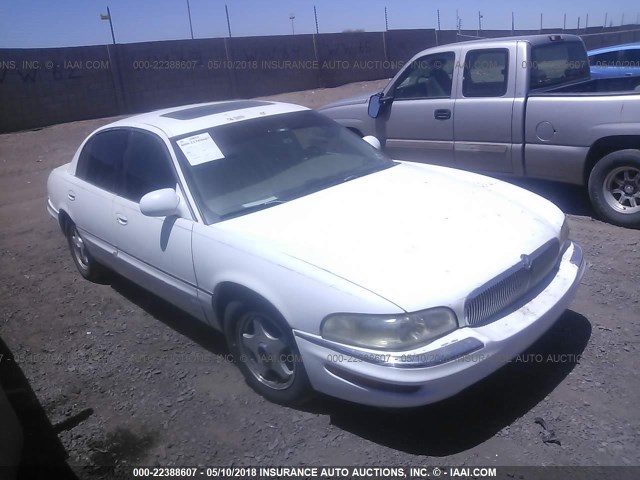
(190, 24)
(315, 14)
(226, 10)
(292, 17)
(108, 17)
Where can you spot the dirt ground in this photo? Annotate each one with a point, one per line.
(120, 377)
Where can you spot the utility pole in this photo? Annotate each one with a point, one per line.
(479, 23)
(386, 20)
(564, 23)
(586, 23)
(622, 21)
(438, 30)
(315, 14)
(605, 20)
(190, 24)
(578, 25)
(540, 23)
(513, 24)
(457, 22)
(226, 9)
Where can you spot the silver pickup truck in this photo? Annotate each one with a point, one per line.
(522, 106)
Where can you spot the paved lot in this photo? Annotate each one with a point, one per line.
(120, 377)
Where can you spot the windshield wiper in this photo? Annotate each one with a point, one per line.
(251, 207)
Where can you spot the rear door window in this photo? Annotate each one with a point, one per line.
(485, 73)
(101, 158)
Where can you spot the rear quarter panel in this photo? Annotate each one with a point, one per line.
(560, 129)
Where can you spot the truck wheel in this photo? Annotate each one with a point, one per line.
(264, 349)
(86, 265)
(614, 188)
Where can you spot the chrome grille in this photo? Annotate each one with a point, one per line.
(486, 302)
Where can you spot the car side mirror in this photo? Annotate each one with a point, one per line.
(375, 105)
(160, 203)
(373, 141)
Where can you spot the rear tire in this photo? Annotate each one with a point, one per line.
(614, 188)
(85, 263)
(264, 349)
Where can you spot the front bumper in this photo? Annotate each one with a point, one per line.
(445, 366)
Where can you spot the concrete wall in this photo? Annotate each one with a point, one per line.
(46, 86)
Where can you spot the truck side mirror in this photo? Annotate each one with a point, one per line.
(375, 105)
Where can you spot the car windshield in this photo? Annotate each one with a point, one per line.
(241, 167)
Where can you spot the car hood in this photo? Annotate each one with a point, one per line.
(355, 100)
(416, 235)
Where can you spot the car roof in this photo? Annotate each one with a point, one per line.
(178, 121)
(614, 48)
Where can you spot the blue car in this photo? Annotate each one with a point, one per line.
(615, 61)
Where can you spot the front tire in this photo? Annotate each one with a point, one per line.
(264, 349)
(85, 263)
(614, 188)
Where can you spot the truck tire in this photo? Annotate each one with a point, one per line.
(614, 188)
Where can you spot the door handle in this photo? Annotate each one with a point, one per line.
(442, 114)
(71, 195)
(122, 220)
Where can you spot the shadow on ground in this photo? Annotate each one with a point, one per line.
(572, 199)
(173, 317)
(43, 455)
(478, 413)
(441, 429)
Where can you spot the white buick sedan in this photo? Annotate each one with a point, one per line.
(328, 266)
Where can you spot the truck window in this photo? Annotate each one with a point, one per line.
(556, 63)
(427, 77)
(101, 158)
(485, 73)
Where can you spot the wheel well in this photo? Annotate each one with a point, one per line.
(227, 292)
(64, 220)
(356, 131)
(605, 146)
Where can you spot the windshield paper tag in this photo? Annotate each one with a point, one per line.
(200, 149)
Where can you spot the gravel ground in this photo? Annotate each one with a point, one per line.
(121, 378)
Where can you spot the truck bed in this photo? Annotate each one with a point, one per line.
(617, 85)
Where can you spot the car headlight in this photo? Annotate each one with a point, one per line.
(564, 235)
(389, 332)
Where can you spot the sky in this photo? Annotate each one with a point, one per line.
(49, 23)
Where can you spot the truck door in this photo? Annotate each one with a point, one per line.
(483, 111)
(418, 124)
